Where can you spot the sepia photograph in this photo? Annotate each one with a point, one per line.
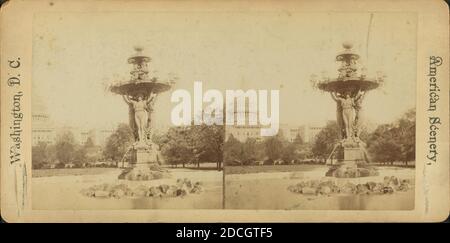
(101, 109)
(103, 139)
(346, 138)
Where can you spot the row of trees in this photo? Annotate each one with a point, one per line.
(118, 143)
(386, 144)
(192, 145)
(202, 143)
(64, 151)
(395, 141)
(270, 150)
(178, 146)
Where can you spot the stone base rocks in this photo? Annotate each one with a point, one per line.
(182, 188)
(332, 186)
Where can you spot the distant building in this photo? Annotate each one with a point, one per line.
(290, 132)
(81, 135)
(43, 129)
(243, 132)
(102, 136)
(85, 135)
(310, 132)
(307, 133)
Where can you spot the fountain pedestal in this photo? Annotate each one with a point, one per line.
(353, 164)
(144, 165)
(145, 155)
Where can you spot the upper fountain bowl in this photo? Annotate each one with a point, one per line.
(350, 84)
(135, 87)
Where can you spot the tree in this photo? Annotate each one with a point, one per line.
(118, 143)
(65, 147)
(288, 153)
(177, 153)
(274, 146)
(175, 145)
(89, 143)
(303, 151)
(385, 150)
(325, 140)
(159, 139)
(51, 152)
(382, 144)
(193, 144)
(39, 155)
(298, 140)
(253, 150)
(232, 150)
(395, 141)
(407, 138)
(91, 151)
(79, 155)
(208, 140)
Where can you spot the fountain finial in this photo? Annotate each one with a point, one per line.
(138, 49)
(347, 45)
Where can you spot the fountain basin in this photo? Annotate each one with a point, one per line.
(354, 84)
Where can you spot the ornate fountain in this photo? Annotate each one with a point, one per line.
(348, 90)
(140, 93)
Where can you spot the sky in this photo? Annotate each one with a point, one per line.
(76, 56)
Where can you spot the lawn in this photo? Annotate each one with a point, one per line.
(60, 189)
(269, 168)
(70, 171)
(269, 191)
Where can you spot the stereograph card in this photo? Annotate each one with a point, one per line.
(224, 111)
